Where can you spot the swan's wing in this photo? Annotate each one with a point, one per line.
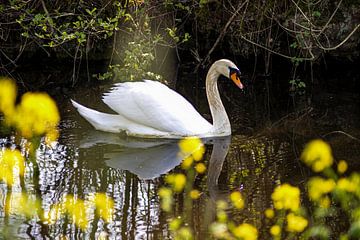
(153, 104)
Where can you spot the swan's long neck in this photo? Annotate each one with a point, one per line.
(221, 123)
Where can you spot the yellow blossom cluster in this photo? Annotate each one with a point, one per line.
(350, 184)
(275, 230)
(78, 209)
(165, 195)
(192, 149)
(318, 187)
(296, 223)
(317, 155)
(245, 231)
(237, 199)
(12, 164)
(269, 213)
(35, 115)
(286, 196)
(23, 204)
(177, 181)
(342, 166)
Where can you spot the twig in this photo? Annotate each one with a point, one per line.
(331, 17)
(223, 32)
(346, 134)
(272, 51)
(339, 45)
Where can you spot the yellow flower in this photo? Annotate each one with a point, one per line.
(342, 166)
(104, 206)
(177, 181)
(25, 204)
(347, 184)
(325, 202)
(245, 231)
(286, 196)
(192, 146)
(269, 213)
(7, 96)
(76, 209)
(275, 230)
(296, 223)
(186, 164)
(166, 198)
(51, 136)
(318, 186)
(317, 155)
(10, 162)
(36, 115)
(221, 205)
(175, 224)
(220, 230)
(237, 199)
(195, 194)
(200, 168)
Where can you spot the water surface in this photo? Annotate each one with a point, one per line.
(262, 152)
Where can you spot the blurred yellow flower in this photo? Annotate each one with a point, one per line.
(237, 199)
(11, 164)
(175, 224)
(7, 95)
(347, 184)
(295, 223)
(325, 202)
(269, 213)
(342, 166)
(275, 230)
(317, 155)
(187, 162)
(76, 209)
(54, 213)
(166, 198)
(286, 196)
(36, 115)
(177, 181)
(51, 136)
(221, 205)
(195, 194)
(220, 230)
(184, 233)
(245, 231)
(200, 168)
(24, 204)
(318, 186)
(192, 146)
(104, 206)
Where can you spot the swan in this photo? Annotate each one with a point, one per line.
(150, 109)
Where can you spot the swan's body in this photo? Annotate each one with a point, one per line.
(151, 109)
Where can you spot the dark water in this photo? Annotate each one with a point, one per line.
(268, 137)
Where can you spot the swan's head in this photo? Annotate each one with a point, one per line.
(230, 70)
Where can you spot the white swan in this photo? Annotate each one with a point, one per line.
(151, 109)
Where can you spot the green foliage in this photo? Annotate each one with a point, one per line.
(297, 86)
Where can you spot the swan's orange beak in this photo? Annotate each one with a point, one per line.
(236, 79)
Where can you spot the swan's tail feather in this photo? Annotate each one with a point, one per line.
(100, 121)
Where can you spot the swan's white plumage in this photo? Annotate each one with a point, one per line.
(151, 109)
(150, 103)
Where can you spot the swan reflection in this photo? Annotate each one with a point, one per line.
(150, 158)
